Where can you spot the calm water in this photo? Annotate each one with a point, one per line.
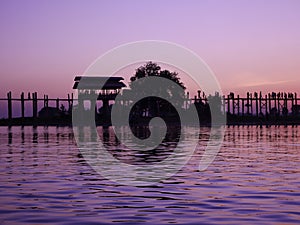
(254, 179)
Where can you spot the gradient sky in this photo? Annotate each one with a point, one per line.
(250, 45)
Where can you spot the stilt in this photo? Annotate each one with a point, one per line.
(228, 104)
(248, 103)
(243, 106)
(34, 104)
(238, 105)
(256, 103)
(57, 103)
(9, 105)
(22, 106)
(266, 105)
(233, 104)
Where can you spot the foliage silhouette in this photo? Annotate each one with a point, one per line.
(152, 106)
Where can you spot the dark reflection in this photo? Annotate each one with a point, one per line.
(108, 137)
(148, 108)
(46, 134)
(105, 136)
(81, 137)
(139, 156)
(9, 136)
(140, 117)
(239, 136)
(70, 136)
(34, 135)
(57, 134)
(93, 134)
(22, 135)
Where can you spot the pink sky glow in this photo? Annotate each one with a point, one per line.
(250, 45)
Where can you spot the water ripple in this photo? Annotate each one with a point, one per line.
(254, 180)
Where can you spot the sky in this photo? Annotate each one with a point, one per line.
(249, 45)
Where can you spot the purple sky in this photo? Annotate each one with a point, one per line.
(250, 45)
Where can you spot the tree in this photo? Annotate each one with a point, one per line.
(153, 106)
(153, 69)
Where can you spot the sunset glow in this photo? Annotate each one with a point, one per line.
(250, 45)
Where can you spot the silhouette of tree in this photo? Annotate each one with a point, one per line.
(153, 106)
(153, 69)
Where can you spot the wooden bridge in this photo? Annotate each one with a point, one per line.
(105, 89)
(254, 104)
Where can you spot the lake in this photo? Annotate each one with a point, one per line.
(255, 179)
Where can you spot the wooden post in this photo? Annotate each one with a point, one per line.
(228, 104)
(34, 104)
(72, 99)
(57, 103)
(256, 103)
(69, 103)
(292, 96)
(275, 102)
(187, 100)
(243, 106)
(266, 104)
(270, 104)
(9, 105)
(22, 105)
(285, 100)
(233, 102)
(248, 103)
(224, 105)
(238, 105)
(260, 104)
(278, 105)
(251, 101)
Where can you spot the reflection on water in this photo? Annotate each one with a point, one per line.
(136, 156)
(254, 179)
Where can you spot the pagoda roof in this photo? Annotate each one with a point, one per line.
(97, 83)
